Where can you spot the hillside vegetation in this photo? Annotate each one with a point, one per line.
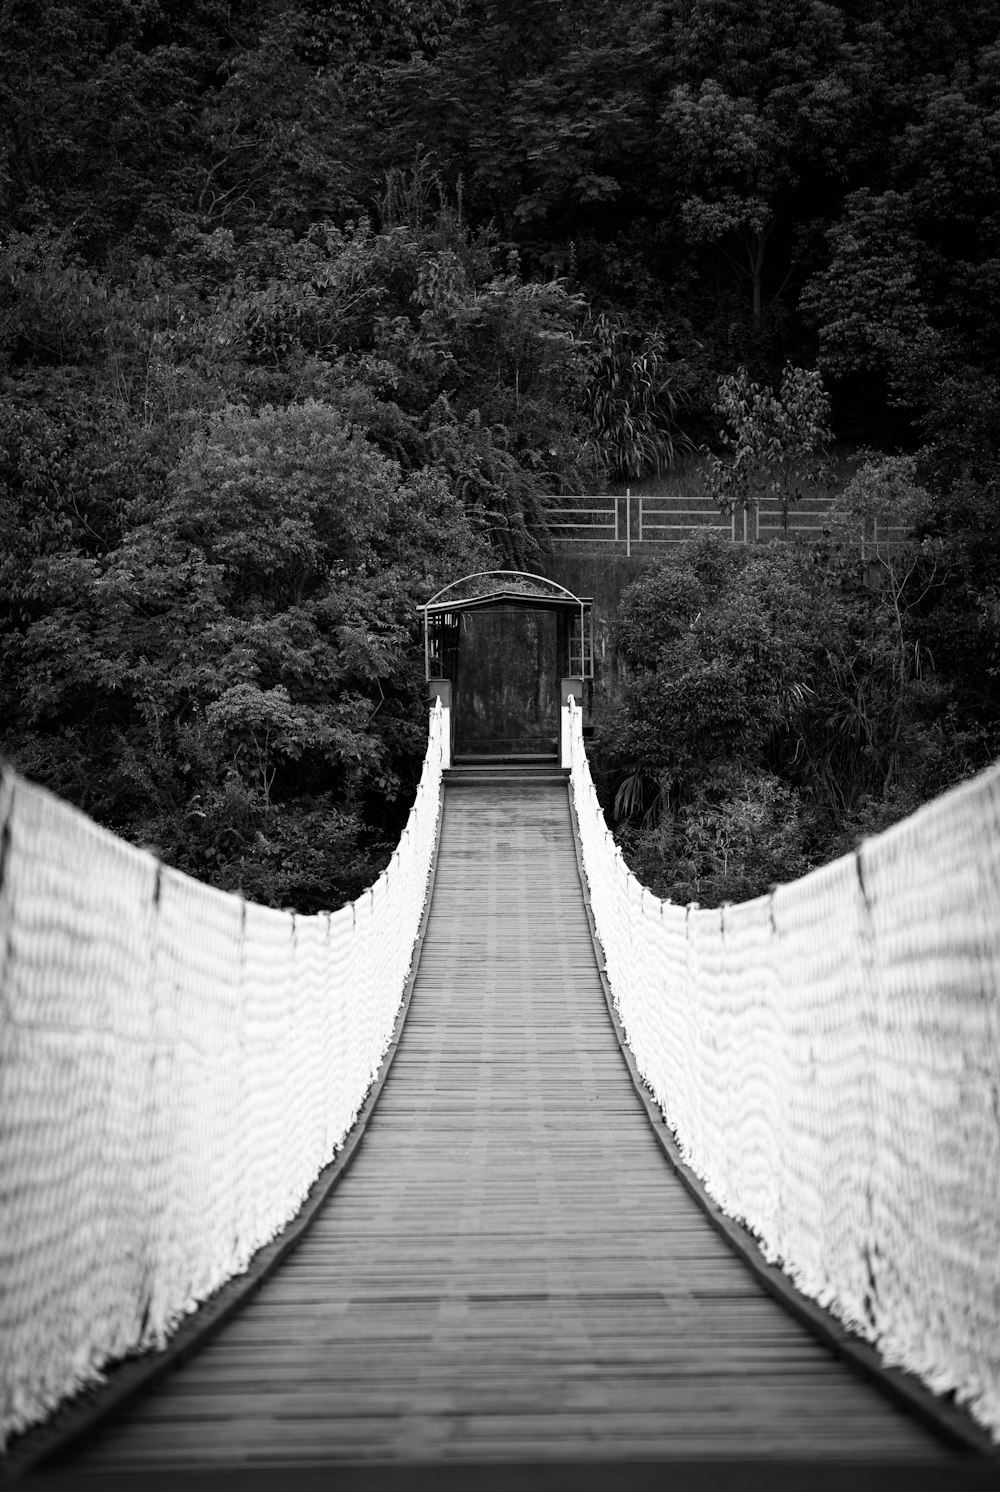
(305, 307)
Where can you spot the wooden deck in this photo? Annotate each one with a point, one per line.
(509, 1271)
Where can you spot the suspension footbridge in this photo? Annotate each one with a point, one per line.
(510, 1271)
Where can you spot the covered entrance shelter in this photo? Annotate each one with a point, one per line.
(504, 648)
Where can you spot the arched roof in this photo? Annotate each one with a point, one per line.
(485, 588)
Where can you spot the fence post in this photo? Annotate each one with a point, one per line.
(628, 522)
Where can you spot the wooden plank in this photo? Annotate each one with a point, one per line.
(509, 1271)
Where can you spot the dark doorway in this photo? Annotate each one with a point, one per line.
(507, 685)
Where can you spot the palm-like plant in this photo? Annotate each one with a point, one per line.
(633, 399)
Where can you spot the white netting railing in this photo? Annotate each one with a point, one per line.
(828, 1058)
(176, 1068)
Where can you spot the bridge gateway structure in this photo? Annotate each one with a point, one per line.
(501, 648)
(510, 1271)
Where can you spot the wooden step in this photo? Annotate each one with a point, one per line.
(519, 771)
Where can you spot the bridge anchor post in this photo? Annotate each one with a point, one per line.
(568, 689)
(440, 689)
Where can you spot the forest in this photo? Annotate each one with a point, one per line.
(305, 309)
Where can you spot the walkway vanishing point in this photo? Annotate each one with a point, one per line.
(510, 1271)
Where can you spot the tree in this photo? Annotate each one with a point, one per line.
(760, 96)
(868, 303)
(907, 306)
(545, 113)
(239, 670)
(347, 37)
(890, 507)
(777, 705)
(723, 648)
(777, 440)
(100, 112)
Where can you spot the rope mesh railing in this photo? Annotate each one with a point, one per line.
(176, 1067)
(828, 1057)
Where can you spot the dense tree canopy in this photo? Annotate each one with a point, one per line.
(306, 303)
(780, 702)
